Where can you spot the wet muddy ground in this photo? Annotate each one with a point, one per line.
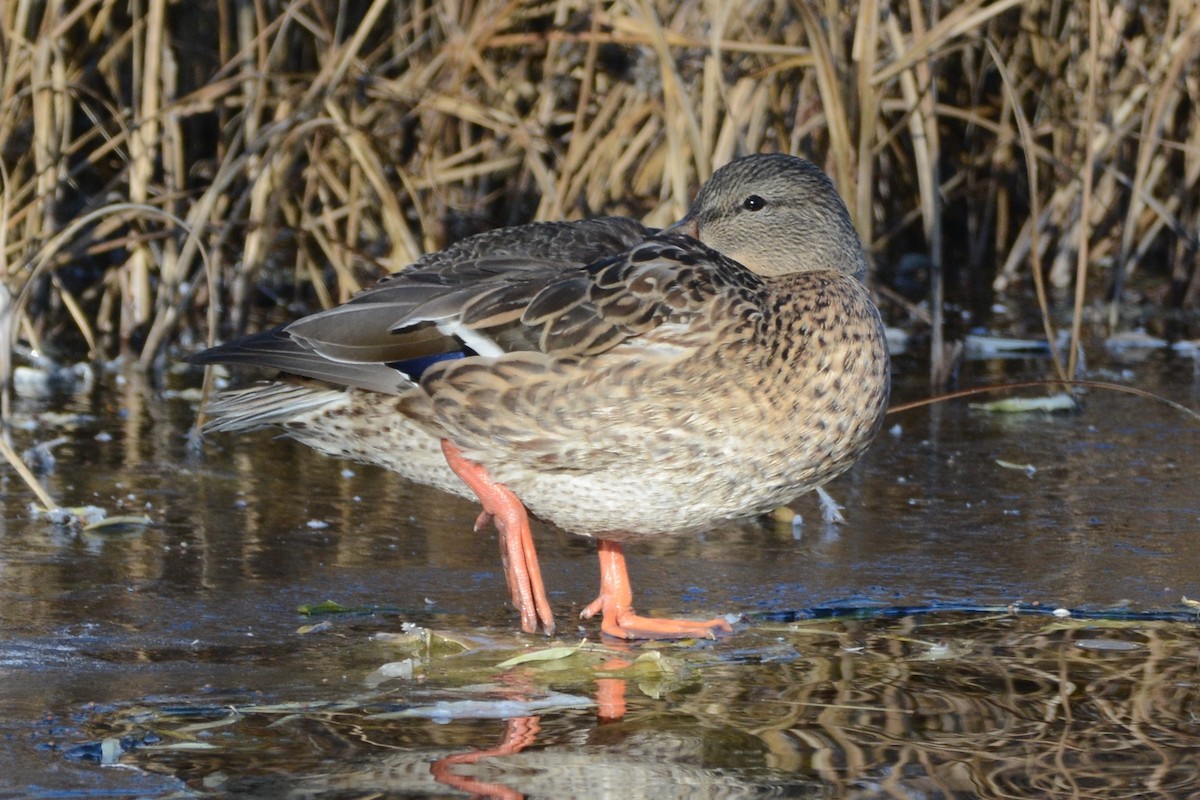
(910, 652)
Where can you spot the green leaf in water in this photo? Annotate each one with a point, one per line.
(327, 607)
(549, 654)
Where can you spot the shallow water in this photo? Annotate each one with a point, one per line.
(878, 658)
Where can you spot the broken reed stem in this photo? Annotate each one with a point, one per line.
(25, 474)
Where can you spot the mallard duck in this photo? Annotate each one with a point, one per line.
(614, 380)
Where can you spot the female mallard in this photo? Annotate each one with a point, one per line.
(614, 380)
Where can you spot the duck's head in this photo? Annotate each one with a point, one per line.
(776, 214)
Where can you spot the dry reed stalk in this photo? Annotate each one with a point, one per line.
(1085, 205)
(919, 93)
(865, 53)
(1035, 219)
(836, 119)
(1181, 53)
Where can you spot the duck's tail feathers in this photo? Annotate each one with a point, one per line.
(275, 349)
(270, 404)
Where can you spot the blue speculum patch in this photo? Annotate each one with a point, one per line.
(415, 367)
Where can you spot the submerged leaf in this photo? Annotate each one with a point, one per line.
(393, 670)
(196, 727)
(417, 639)
(120, 522)
(548, 654)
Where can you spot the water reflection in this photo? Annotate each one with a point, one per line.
(937, 705)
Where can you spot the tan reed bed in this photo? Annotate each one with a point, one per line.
(172, 169)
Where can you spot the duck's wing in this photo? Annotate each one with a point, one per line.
(569, 290)
(359, 344)
(636, 343)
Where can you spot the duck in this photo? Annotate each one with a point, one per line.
(617, 381)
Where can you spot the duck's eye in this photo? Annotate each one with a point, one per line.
(753, 203)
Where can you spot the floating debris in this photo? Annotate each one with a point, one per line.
(1187, 348)
(1107, 644)
(489, 708)
(897, 340)
(1020, 405)
(984, 346)
(40, 457)
(784, 514)
(1133, 340)
(393, 670)
(75, 515)
(1028, 469)
(47, 378)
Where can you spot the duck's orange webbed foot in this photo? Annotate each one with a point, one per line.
(505, 510)
(615, 603)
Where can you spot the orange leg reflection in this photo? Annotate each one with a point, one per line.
(519, 733)
(610, 693)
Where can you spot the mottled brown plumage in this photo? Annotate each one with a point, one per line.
(621, 382)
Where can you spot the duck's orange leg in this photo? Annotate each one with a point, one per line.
(505, 509)
(616, 604)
